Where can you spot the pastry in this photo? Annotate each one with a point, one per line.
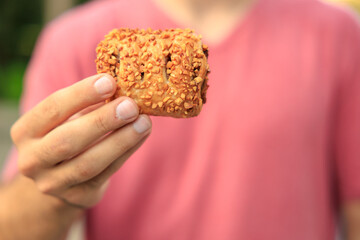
(165, 72)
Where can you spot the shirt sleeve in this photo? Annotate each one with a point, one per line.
(53, 66)
(347, 146)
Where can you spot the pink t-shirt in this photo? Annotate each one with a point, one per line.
(275, 151)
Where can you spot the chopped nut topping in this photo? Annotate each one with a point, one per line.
(157, 67)
(189, 97)
(166, 99)
(188, 105)
(178, 101)
(169, 64)
(198, 80)
(156, 70)
(112, 61)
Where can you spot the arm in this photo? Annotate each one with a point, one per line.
(26, 213)
(69, 145)
(352, 220)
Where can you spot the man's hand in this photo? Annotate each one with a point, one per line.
(70, 145)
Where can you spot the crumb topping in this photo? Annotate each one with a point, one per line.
(164, 71)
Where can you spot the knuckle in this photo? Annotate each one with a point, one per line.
(26, 166)
(94, 183)
(84, 171)
(93, 193)
(16, 133)
(123, 144)
(75, 195)
(59, 148)
(51, 106)
(51, 183)
(46, 186)
(62, 149)
(100, 123)
(67, 181)
(83, 195)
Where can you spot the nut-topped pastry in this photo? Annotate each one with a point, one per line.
(165, 72)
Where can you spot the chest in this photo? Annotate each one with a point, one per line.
(270, 86)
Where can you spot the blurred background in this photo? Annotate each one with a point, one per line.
(20, 24)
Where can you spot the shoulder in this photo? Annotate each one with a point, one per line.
(78, 22)
(80, 29)
(70, 40)
(98, 16)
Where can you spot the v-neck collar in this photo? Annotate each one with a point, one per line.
(238, 27)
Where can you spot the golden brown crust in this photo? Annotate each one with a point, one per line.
(165, 72)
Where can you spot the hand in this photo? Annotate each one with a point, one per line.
(70, 143)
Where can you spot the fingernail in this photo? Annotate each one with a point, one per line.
(103, 86)
(126, 110)
(142, 124)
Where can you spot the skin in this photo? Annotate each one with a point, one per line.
(56, 190)
(65, 167)
(214, 19)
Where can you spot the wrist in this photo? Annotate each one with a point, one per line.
(22, 205)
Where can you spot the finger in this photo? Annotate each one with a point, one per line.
(86, 111)
(104, 176)
(84, 198)
(95, 160)
(95, 187)
(73, 137)
(64, 103)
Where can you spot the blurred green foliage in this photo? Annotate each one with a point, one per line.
(21, 22)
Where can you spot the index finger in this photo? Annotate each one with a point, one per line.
(61, 105)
